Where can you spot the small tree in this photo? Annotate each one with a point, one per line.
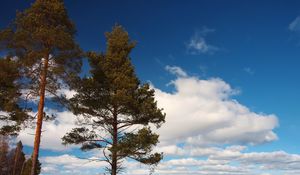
(42, 40)
(13, 162)
(27, 166)
(18, 159)
(112, 101)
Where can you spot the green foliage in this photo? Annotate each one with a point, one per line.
(43, 31)
(27, 167)
(41, 39)
(138, 146)
(18, 159)
(14, 115)
(112, 101)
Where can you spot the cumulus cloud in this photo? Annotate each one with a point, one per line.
(202, 111)
(198, 44)
(228, 161)
(203, 106)
(68, 164)
(64, 122)
(53, 131)
(176, 70)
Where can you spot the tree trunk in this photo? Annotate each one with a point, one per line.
(16, 160)
(40, 115)
(23, 167)
(114, 165)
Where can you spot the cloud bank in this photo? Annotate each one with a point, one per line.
(203, 112)
(231, 160)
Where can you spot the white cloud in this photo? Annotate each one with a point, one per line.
(68, 93)
(209, 115)
(176, 71)
(295, 25)
(231, 160)
(53, 131)
(205, 107)
(68, 164)
(198, 44)
(215, 153)
(273, 160)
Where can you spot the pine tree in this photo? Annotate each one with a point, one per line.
(112, 101)
(27, 166)
(42, 40)
(12, 116)
(13, 162)
(18, 159)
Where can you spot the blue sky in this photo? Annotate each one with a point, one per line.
(253, 46)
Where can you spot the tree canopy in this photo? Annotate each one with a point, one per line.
(41, 38)
(13, 115)
(117, 110)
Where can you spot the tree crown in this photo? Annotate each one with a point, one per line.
(112, 101)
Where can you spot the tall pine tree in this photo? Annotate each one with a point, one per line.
(41, 38)
(112, 102)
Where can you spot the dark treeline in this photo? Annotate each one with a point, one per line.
(13, 161)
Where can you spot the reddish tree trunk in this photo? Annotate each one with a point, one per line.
(114, 165)
(16, 160)
(40, 115)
